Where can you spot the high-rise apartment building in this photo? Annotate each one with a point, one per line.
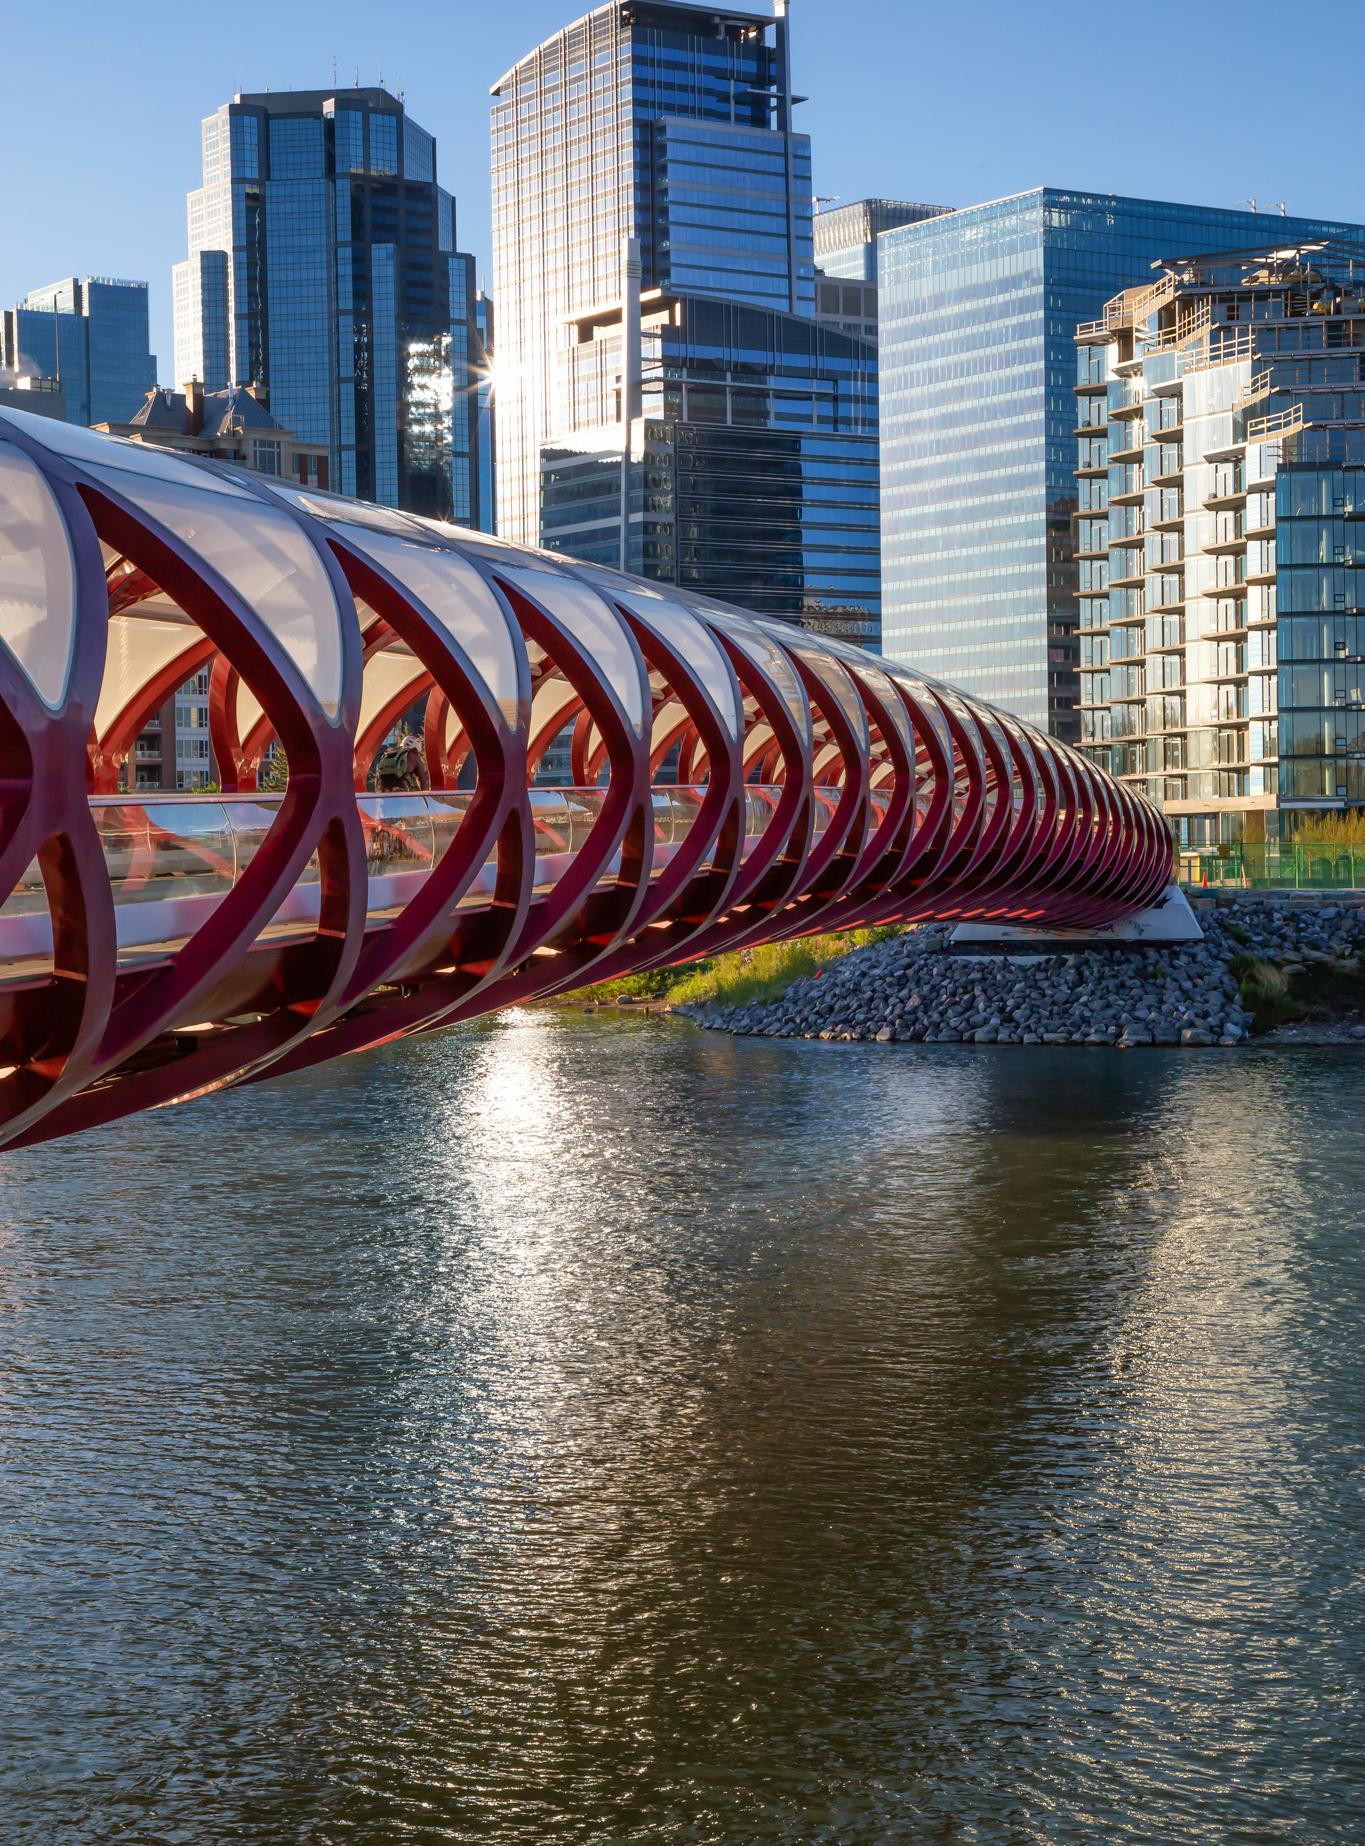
(90, 338)
(1220, 415)
(846, 258)
(665, 123)
(978, 312)
(323, 271)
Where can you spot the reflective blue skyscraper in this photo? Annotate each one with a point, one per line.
(752, 429)
(978, 315)
(322, 268)
(647, 119)
(92, 337)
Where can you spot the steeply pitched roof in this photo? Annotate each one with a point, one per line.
(225, 412)
(163, 410)
(235, 409)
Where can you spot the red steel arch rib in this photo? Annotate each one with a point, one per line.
(733, 780)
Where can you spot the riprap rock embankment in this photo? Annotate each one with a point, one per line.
(1259, 959)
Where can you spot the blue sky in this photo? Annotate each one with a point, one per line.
(99, 135)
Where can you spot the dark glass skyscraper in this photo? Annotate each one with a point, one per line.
(322, 268)
(92, 338)
(978, 314)
(755, 474)
(651, 120)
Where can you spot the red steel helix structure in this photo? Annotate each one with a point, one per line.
(725, 781)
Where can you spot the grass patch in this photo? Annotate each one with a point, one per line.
(750, 976)
(649, 986)
(741, 978)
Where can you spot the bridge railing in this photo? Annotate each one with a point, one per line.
(171, 858)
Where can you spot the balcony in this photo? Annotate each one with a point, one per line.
(1226, 502)
(1259, 387)
(1279, 423)
(1224, 350)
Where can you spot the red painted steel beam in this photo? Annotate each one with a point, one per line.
(825, 788)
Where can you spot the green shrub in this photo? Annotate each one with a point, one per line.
(1328, 830)
(1264, 992)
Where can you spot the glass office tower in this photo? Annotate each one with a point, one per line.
(667, 123)
(322, 269)
(755, 470)
(978, 313)
(1220, 417)
(91, 339)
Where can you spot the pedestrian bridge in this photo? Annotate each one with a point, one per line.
(729, 781)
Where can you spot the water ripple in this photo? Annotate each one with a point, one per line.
(582, 1430)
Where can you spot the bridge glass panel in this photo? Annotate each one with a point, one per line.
(751, 640)
(678, 628)
(458, 599)
(597, 629)
(262, 554)
(37, 578)
(831, 674)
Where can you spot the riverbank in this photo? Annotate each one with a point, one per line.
(1288, 972)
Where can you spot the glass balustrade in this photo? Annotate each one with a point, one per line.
(172, 858)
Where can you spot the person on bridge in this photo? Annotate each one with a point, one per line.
(400, 765)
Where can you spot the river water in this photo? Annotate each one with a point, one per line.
(582, 1429)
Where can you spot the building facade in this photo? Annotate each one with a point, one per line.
(41, 397)
(323, 272)
(1221, 538)
(486, 412)
(754, 461)
(846, 259)
(978, 311)
(90, 338)
(846, 235)
(664, 123)
(230, 425)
